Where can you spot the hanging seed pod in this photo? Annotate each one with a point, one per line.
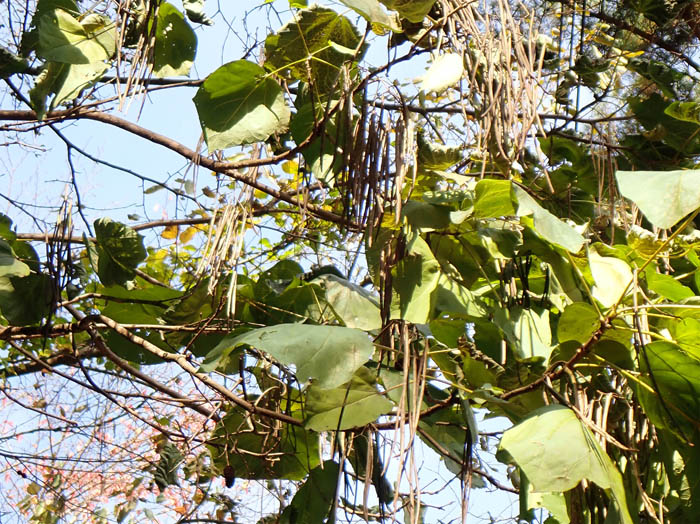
(229, 476)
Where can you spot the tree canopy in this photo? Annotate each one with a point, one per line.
(280, 262)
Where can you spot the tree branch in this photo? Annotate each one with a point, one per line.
(182, 361)
(230, 169)
(558, 368)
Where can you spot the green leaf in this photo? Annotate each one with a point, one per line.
(445, 71)
(194, 306)
(303, 47)
(165, 471)
(554, 503)
(10, 265)
(658, 72)
(20, 279)
(119, 250)
(204, 343)
(278, 277)
(175, 43)
(238, 104)
(686, 333)
(489, 338)
(288, 453)
(494, 199)
(546, 225)
(663, 129)
(322, 154)
(43, 86)
(66, 81)
(448, 331)
(328, 354)
(556, 452)
(350, 405)
(667, 286)
(561, 148)
(77, 77)
(299, 302)
(312, 503)
(461, 255)
(415, 278)
(62, 38)
(6, 231)
(138, 306)
(434, 156)
(578, 322)
(676, 374)
(412, 10)
(195, 12)
(682, 466)
(30, 39)
(612, 277)
(527, 330)
(15, 304)
(424, 216)
(686, 111)
(452, 297)
(446, 426)
(355, 306)
(11, 63)
(644, 242)
(680, 190)
(566, 282)
(373, 12)
(223, 358)
(133, 352)
(476, 374)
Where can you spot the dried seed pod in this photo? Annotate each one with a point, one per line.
(229, 476)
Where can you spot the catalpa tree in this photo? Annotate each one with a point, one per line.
(283, 262)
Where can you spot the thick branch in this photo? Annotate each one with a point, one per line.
(152, 81)
(62, 358)
(230, 169)
(60, 330)
(470, 112)
(257, 211)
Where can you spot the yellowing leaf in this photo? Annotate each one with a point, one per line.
(169, 232)
(188, 234)
(603, 39)
(290, 167)
(389, 221)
